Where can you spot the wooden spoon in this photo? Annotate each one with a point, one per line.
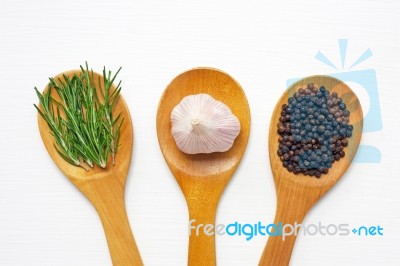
(296, 194)
(202, 177)
(104, 187)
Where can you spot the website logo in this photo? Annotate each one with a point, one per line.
(251, 230)
(367, 80)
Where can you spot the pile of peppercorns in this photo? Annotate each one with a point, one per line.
(313, 130)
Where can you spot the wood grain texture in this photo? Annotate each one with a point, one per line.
(203, 177)
(104, 188)
(296, 194)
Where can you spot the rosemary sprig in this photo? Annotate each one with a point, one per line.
(109, 102)
(84, 128)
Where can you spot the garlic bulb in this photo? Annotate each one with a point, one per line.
(201, 124)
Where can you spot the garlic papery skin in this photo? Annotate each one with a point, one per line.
(201, 124)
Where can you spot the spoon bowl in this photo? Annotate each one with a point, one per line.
(296, 194)
(203, 177)
(103, 187)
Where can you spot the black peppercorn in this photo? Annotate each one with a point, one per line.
(345, 143)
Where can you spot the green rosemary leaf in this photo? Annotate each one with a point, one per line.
(115, 76)
(116, 119)
(40, 112)
(66, 157)
(118, 135)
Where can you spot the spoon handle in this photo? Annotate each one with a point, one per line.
(202, 204)
(107, 196)
(293, 205)
(201, 242)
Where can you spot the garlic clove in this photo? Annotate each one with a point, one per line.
(201, 124)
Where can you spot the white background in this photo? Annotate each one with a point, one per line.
(44, 220)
